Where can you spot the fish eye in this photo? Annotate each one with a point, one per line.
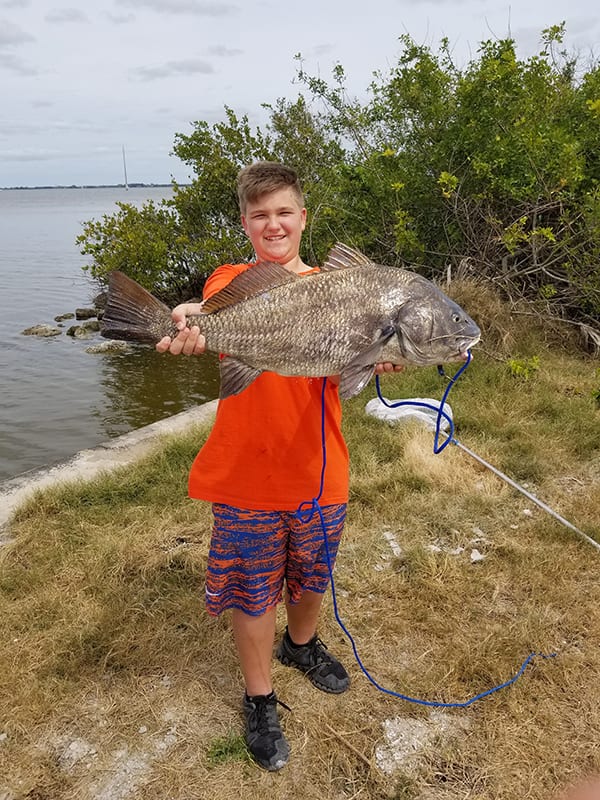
(456, 317)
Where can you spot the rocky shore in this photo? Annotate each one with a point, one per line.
(88, 323)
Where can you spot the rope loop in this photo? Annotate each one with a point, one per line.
(307, 509)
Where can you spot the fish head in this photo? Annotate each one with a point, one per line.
(433, 329)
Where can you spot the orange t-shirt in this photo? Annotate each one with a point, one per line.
(264, 451)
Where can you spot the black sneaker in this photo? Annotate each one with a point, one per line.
(264, 737)
(322, 669)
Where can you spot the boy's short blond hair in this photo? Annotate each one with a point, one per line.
(263, 177)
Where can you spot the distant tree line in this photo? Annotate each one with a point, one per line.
(492, 169)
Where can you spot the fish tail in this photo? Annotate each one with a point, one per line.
(132, 313)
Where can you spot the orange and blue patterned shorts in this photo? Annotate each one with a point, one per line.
(252, 553)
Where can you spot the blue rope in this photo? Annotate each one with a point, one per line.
(441, 414)
(307, 509)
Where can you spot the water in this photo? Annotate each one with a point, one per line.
(56, 399)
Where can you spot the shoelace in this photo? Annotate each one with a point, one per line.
(319, 652)
(262, 705)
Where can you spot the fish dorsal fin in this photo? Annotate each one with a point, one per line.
(343, 257)
(253, 281)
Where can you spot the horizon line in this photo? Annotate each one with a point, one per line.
(135, 184)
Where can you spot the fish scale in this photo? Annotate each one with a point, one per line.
(330, 335)
(341, 320)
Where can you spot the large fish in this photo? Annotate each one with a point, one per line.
(339, 321)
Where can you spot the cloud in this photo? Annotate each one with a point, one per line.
(66, 15)
(10, 63)
(322, 50)
(14, 3)
(221, 50)
(11, 34)
(9, 127)
(203, 9)
(29, 155)
(45, 126)
(120, 19)
(188, 66)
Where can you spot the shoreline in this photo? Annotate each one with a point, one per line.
(86, 464)
(134, 185)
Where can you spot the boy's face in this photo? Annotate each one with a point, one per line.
(274, 224)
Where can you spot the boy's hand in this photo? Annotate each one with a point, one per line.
(380, 369)
(188, 341)
(387, 366)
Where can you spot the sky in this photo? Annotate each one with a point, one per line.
(80, 82)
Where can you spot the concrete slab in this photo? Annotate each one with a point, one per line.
(86, 464)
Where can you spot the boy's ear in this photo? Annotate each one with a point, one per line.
(244, 225)
(303, 212)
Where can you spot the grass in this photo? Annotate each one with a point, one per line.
(116, 684)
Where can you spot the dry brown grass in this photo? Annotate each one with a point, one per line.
(116, 684)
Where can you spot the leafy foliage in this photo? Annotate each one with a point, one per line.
(149, 244)
(493, 168)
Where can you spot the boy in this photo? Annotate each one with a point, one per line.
(260, 462)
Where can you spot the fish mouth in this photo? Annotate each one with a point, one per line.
(464, 349)
(439, 351)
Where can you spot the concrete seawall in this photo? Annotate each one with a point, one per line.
(86, 464)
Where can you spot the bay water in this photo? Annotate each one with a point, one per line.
(56, 399)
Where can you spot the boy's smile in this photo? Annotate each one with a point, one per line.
(274, 224)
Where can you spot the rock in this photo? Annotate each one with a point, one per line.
(91, 325)
(42, 330)
(79, 332)
(84, 330)
(110, 346)
(85, 313)
(62, 317)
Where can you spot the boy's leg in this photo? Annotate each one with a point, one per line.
(307, 580)
(254, 637)
(302, 617)
(245, 572)
(300, 646)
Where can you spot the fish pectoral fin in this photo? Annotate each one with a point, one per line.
(359, 371)
(235, 376)
(354, 378)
